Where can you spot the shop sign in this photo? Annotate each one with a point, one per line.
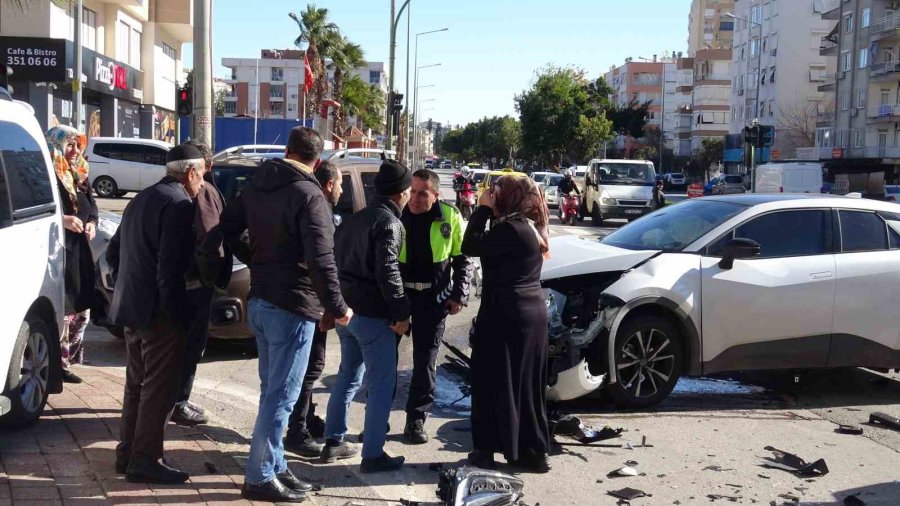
(34, 59)
(110, 74)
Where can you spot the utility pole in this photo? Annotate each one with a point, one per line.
(388, 143)
(76, 77)
(404, 131)
(203, 111)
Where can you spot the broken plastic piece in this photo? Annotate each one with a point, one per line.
(627, 493)
(886, 420)
(624, 471)
(715, 497)
(573, 427)
(794, 464)
(853, 430)
(717, 469)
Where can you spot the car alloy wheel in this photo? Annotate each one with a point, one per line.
(648, 360)
(27, 384)
(106, 187)
(35, 372)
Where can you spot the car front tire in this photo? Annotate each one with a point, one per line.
(106, 187)
(649, 357)
(596, 217)
(28, 379)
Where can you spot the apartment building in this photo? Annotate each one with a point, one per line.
(131, 54)
(684, 113)
(859, 136)
(777, 70)
(279, 76)
(709, 26)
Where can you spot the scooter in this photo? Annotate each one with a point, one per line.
(466, 201)
(568, 209)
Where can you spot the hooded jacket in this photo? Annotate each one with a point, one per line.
(282, 227)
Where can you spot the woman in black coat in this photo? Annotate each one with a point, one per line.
(509, 345)
(80, 217)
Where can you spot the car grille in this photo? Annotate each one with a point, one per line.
(634, 203)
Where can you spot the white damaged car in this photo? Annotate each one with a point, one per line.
(725, 283)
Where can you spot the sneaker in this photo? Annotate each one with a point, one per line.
(70, 377)
(415, 432)
(184, 414)
(303, 445)
(382, 464)
(337, 451)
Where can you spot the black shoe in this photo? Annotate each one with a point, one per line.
(121, 466)
(333, 451)
(196, 407)
(271, 491)
(303, 445)
(70, 377)
(382, 464)
(482, 460)
(290, 481)
(415, 432)
(535, 463)
(185, 414)
(142, 470)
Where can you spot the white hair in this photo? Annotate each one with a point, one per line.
(180, 168)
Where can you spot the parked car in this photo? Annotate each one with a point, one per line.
(675, 180)
(891, 192)
(551, 190)
(251, 150)
(792, 177)
(737, 282)
(33, 263)
(729, 184)
(120, 165)
(446, 165)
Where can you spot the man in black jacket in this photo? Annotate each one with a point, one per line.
(367, 247)
(292, 276)
(149, 258)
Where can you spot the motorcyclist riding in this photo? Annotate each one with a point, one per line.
(459, 183)
(568, 185)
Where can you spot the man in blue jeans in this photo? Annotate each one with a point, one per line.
(292, 276)
(367, 248)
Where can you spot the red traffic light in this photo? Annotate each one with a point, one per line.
(184, 95)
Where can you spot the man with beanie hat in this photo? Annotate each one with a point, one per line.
(149, 257)
(367, 247)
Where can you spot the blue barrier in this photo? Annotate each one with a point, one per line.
(239, 131)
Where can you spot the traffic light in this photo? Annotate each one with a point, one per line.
(765, 137)
(396, 111)
(185, 101)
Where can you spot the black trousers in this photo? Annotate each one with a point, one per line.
(428, 322)
(199, 307)
(154, 356)
(304, 410)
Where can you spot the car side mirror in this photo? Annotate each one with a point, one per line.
(738, 249)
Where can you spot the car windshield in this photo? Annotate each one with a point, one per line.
(478, 177)
(541, 178)
(553, 180)
(673, 228)
(626, 174)
(232, 180)
(734, 179)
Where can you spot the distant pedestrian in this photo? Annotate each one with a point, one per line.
(368, 245)
(80, 218)
(304, 426)
(510, 343)
(659, 197)
(436, 278)
(293, 282)
(149, 258)
(210, 269)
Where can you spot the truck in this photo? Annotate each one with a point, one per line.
(618, 189)
(790, 177)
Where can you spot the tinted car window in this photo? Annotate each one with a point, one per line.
(102, 149)
(862, 231)
(151, 154)
(27, 177)
(893, 226)
(232, 180)
(788, 233)
(344, 206)
(5, 210)
(368, 182)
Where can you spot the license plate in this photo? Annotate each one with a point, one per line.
(633, 211)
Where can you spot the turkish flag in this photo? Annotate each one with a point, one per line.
(309, 78)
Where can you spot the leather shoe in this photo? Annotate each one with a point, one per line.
(70, 377)
(185, 414)
(382, 464)
(288, 479)
(482, 460)
(302, 445)
(337, 451)
(535, 463)
(271, 491)
(415, 432)
(144, 470)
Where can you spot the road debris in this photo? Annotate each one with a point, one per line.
(794, 464)
(716, 497)
(624, 471)
(572, 426)
(886, 420)
(853, 430)
(628, 493)
(717, 469)
(466, 486)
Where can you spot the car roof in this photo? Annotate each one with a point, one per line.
(128, 140)
(787, 200)
(249, 162)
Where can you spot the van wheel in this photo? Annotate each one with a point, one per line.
(648, 358)
(596, 217)
(106, 187)
(29, 373)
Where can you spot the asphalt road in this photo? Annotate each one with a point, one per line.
(707, 438)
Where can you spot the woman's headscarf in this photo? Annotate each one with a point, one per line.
(520, 197)
(71, 175)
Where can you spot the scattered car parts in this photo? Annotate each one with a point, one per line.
(794, 464)
(472, 486)
(888, 421)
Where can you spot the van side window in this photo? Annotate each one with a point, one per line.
(151, 155)
(27, 177)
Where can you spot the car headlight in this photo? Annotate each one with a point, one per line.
(608, 201)
(107, 226)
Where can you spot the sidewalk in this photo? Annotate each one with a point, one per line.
(68, 457)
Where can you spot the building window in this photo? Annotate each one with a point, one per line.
(230, 107)
(374, 77)
(846, 61)
(135, 58)
(863, 60)
(772, 75)
(276, 92)
(860, 99)
(754, 48)
(276, 108)
(123, 39)
(89, 29)
(772, 108)
(860, 138)
(848, 23)
(866, 19)
(845, 100)
(168, 51)
(277, 74)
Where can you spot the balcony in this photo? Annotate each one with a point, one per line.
(829, 82)
(828, 46)
(884, 71)
(884, 113)
(831, 10)
(884, 28)
(880, 151)
(824, 117)
(178, 16)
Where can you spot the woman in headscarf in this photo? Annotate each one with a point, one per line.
(510, 344)
(80, 221)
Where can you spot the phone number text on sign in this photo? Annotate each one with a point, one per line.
(34, 61)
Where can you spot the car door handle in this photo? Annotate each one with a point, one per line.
(821, 275)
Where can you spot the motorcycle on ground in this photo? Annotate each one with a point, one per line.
(568, 209)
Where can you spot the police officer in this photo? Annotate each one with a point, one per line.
(436, 277)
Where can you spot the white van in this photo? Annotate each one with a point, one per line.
(792, 177)
(620, 189)
(119, 166)
(32, 260)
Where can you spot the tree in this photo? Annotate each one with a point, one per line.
(511, 137)
(346, 57)
(487, 138)
(711, 151)
(219, 102)
(320, 36)
(631, 119)
(365, 101)
(796, 126)
(560, 117)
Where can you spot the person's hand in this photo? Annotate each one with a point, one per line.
(401, 328)
(73, 224)
(454, 307)
(90, 230)
(326, 323)
(487, 198)
(344, 320)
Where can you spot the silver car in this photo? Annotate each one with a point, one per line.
(730, 184)
(551, 189)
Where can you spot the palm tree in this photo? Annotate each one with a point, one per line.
(319, 36)
(365, 101)
(346, 57)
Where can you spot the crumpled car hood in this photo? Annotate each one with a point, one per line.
(574, 256)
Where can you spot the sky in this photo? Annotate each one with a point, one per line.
(490, 52)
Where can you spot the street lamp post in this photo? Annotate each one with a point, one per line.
(416, 106)
(755, 120)
(416, 65)
(388, 143)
